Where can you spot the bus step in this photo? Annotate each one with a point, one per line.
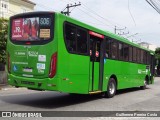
(95, 92)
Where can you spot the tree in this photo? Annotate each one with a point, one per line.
(157, 56)
(3, 39)
(157, 53)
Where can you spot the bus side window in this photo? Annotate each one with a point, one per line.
(114, 51)
(81, 41)
(130, 53)
(126, 52)
(148, 58)
(142, 56)
(138, 55)
(120, 51)
(134, 54)
(145, 57)
(70, 37)
(107, 53)
(76, 39)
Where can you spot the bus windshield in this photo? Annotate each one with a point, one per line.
(32, 28)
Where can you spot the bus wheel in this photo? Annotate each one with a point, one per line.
(145, 85)
(111, 88)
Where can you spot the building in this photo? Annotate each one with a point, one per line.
(12, 7)
(148, 45)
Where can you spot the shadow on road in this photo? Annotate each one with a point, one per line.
(51, 100)
(128, 90)
(48, 100)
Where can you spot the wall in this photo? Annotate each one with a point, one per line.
(15, 7)
(3, 75)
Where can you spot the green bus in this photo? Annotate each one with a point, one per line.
(51, 51)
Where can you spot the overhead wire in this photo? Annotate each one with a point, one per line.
(91, 16)
(97, 14)
(131, 13)
(94, 12)
(72, 9)
(154, 5)
(113, 24)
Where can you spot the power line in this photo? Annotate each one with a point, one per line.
(93, 17)
(85, 12)
(131, 14)
(154, 5)
(91, 11)
(97, 14)
(84, 6)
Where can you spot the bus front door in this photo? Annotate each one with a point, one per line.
(96, 64)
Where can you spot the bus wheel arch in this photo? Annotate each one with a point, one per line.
(111, 87)
(115, 78)
(146, 82)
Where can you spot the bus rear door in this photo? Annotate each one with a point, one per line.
(96, 62)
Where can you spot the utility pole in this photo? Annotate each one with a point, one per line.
(116, 29)
(132, 35)
(123, 33)
(136, 40)
(68, 7)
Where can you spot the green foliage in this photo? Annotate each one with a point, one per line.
(157, 55)
(3, 39)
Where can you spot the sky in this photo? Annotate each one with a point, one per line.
(134, 16)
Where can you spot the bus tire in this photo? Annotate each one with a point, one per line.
(111, 88)
(145, 84)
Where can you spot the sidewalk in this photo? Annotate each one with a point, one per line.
(8, 87)
(4, 87)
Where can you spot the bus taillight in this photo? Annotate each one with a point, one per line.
(53, 65)
(9, 64)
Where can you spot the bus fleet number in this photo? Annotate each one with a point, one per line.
(45, 21)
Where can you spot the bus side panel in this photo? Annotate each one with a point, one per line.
(79, 73)
(128, 74)
(74, 74)
(73, 69)
(120, 70)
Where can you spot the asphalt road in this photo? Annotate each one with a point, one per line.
(135, 99)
